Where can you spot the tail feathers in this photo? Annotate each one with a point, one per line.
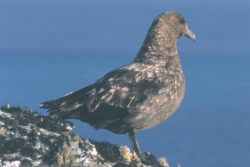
(52, 104)
(62, 115)
(60, 110)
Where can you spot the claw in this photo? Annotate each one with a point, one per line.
(145, 157)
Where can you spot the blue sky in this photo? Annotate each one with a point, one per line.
(115, 26)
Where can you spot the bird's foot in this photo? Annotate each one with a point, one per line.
(148, 159)
(144, 157)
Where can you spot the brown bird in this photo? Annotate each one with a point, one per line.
(139, 95)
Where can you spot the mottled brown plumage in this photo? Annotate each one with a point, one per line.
(136, 96)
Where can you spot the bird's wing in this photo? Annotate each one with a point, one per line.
(120, 89)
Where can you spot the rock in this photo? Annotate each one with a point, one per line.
(28, 138)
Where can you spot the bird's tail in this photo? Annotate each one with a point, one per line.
(59, 110)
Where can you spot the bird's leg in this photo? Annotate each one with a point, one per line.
(134, 143)
(143, 156)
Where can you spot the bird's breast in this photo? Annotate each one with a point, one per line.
(159, 106)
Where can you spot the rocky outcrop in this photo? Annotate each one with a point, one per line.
(28, 138)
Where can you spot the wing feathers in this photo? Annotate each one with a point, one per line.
(120, 89)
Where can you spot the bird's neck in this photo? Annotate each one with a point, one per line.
(159, 45)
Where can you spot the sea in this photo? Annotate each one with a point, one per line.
(210, 128)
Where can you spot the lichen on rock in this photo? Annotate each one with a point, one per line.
(28, 138)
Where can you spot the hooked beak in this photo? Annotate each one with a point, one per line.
(189, 34)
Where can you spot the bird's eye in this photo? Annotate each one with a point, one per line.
(182, 21)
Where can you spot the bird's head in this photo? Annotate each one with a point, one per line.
(161, 38)
(177, 24)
